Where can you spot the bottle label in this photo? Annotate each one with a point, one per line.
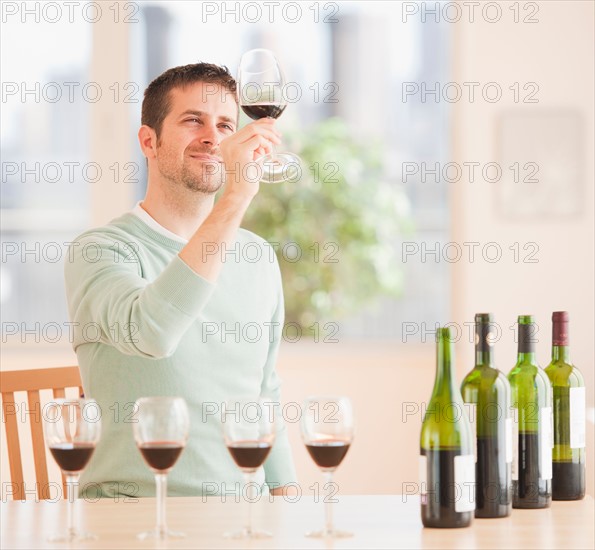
(508, 442)
(515, 443)
(545, 442)
(423, 479)
(472, 415)
(577, 418)
(465, 483)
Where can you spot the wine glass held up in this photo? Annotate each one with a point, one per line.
(161, 432)
(327, 431)
(261, 94)
(72, 429)
(249, 430)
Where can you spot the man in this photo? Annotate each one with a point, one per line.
(164, 300)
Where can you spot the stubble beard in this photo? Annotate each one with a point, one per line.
(208, 181)
(195, 176)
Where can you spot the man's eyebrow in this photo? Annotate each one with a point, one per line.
(201, 113)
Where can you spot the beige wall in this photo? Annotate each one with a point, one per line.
(557, 53)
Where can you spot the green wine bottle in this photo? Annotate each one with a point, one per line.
(486, 393)
(447, 466)
(532, 424)
(568, 460)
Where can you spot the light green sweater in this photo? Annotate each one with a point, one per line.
(146, 324)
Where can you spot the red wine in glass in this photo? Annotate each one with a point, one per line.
(72, 457)
(328, 453)
(249, 455)
(161, 455)
(261, 86)
(249, 428)
(161, 431)
(264, 110)
(327, 427)
(72, 428)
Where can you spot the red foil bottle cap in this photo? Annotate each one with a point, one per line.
(560, 321)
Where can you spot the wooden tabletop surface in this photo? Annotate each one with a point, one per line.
(376, 521)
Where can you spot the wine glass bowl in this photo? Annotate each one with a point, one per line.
(327, 428)
(261, 94)
(249, 430)
(161, 431)
(72, 429)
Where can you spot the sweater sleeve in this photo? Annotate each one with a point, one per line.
(110, 301)
(279, 467)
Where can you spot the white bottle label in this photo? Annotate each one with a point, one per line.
(423, 478)
(545, 442)
(465, 483)
(472, 416)
(508, 439)
(577, 417)
(515, 443)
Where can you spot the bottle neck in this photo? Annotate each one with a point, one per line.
(444, 366)
(526, 340)
(527, 357)
(560, 340)
(483, 357)
(561, 353)
(483, 343)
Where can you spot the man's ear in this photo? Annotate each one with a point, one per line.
(148, 141)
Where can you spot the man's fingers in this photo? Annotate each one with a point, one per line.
(263, 127)
(264, 132)
(258, 144)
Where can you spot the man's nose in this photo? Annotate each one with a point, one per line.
(210, 135)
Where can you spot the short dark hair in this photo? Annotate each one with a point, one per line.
(157, 99)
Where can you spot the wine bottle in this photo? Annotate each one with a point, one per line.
(568, 460)
(532, 424)
(486, 393)
(447, 466)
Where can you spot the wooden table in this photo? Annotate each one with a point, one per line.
(377, 521)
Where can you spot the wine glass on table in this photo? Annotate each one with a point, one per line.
(249, 429)
(72, 429)
(327, 431)
(261, 94)
(161, 431)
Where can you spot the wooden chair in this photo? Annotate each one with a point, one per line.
(32, 381)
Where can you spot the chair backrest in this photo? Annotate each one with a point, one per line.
(32, 381)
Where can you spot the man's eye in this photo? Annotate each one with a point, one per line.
(228, 127)
(193, 120)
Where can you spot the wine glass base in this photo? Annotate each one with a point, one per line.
(245, 534)
(279, 168)
(160, 535)
(329, 533)
(72, 537)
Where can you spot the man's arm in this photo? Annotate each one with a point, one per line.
(279, 468)
(220, 227)
(111, 302)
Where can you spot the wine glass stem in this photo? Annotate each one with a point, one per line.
(328, 503)
(273, 150)
(161, 484)
(249, 495)
(71, 483)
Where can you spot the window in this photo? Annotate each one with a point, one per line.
(54, 136)
(46, 169)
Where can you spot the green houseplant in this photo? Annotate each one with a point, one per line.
(336, 228)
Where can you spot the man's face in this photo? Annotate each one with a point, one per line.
(200, 117)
